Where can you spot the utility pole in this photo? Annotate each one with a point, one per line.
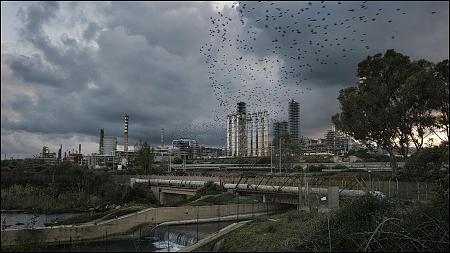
(271, 151)
(280, 155)
(170, 161)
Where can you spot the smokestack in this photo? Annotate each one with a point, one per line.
(162, 137)
(59, 152)
(125, 134)
(102, 135)
(79, 148)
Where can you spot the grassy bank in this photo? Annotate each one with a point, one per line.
(366, 224)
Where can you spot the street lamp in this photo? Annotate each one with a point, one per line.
(370, 179)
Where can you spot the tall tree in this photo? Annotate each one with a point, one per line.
(145, 156)
(394, 103)
(442, 99)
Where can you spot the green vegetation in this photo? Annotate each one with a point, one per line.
(145, 157)
(317, 159)
(396, 103)
(365, 224)
(339, 167)
(365, 156)
(316, 168)
(428, 164)
(209, 188)
(65, 187)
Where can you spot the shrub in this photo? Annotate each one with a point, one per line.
(339, 167)
(427, 164)
(209, 188)
(316, 168)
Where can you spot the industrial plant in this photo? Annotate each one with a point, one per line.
(247, 134)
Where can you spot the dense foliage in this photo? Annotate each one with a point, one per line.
(63, 187)
(397, 102)
(145, 157)
(428, 164)
(365, 156)
(365, 224)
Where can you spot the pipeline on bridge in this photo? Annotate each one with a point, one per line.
(253, 187)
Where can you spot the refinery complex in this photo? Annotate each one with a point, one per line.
(248, 134)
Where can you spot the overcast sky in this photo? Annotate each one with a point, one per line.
(71, 68)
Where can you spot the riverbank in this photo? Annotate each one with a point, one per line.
(64, 187)
(367, 224)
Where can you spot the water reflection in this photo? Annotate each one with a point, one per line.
(26, 220)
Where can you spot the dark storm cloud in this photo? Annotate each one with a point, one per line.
(31, 69)
(412, 24)
(143, 59)
(91, 31)
(156, 83)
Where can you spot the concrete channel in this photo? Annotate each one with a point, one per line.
(124, 225)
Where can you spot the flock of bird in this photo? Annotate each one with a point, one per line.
(264, 53)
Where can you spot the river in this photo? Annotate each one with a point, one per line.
(25, 220)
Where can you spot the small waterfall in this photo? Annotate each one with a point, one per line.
(177, 237)
(181, 238)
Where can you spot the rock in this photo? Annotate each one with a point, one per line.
(118, 207)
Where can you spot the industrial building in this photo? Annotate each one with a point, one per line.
(109, 145)
(337, 142)
(294, 120)
(187, 148)
(210, 152)
(102, 136)
(280, 130)
(334, 142)
(108, 155)
(247, 134)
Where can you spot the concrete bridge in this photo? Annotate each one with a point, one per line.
(169, 191)
(170, 195)
(300, 190)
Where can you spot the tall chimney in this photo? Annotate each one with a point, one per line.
(102, 135)
(79, 148)
(125, 134)
(162, 137)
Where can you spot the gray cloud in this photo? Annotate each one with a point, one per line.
(143, 59)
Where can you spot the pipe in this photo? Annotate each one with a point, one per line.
(293, 189)
(266, 188)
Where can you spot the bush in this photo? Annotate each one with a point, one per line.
(427, 164)
(316, 168)
(339, 167)
(209, 188)
(298, 168)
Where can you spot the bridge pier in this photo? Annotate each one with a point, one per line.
(333, 197)
(168, 195)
